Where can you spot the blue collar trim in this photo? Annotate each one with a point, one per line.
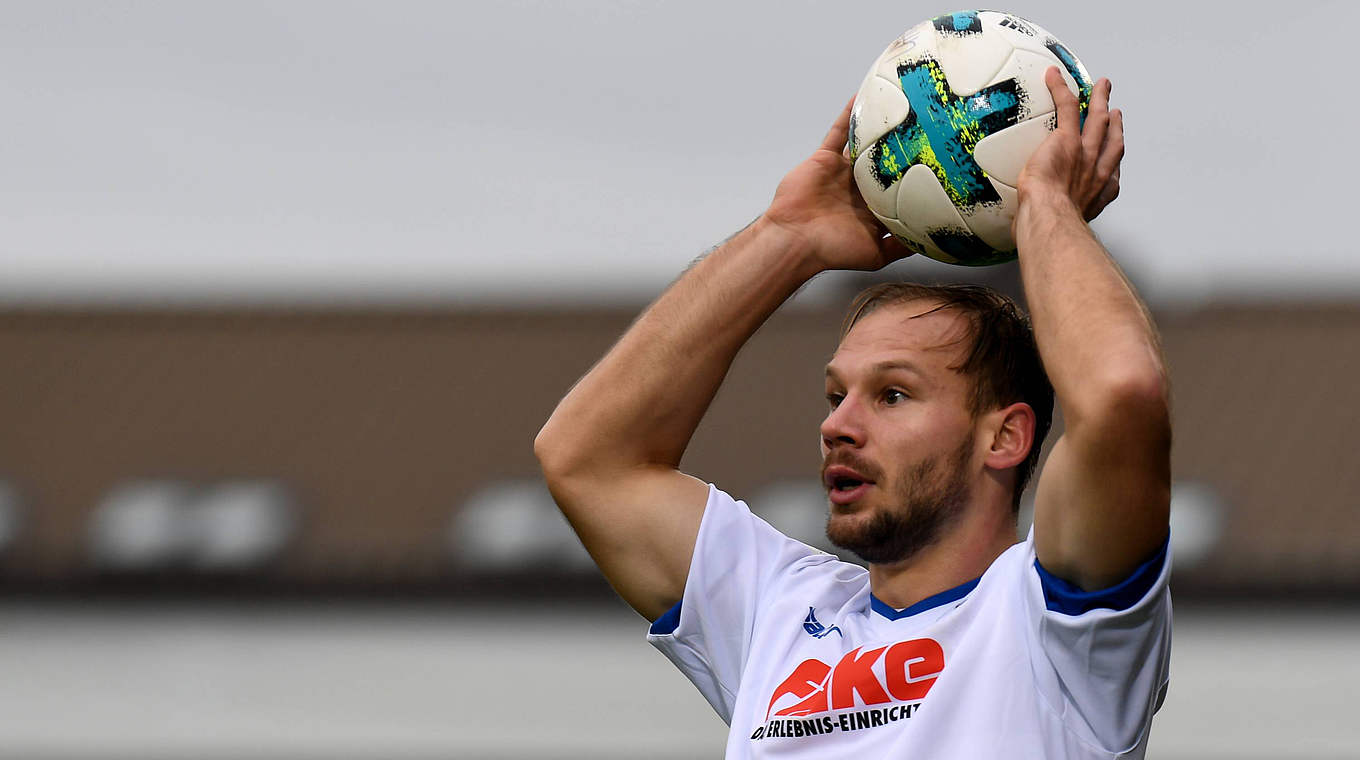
(929, 603)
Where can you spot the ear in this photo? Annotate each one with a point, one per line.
(1012, 434)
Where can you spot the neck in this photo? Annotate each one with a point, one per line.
(963, 552)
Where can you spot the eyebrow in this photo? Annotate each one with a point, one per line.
(888, 365)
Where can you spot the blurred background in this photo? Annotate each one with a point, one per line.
(286, 289)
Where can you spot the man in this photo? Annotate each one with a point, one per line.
(958, 642)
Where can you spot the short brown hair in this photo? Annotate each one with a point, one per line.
(1003, 358)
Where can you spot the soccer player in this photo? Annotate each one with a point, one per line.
(958, 641)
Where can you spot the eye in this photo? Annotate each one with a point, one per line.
(834, 399)
(894, 396)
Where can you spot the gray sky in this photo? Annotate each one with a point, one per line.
(585, 151)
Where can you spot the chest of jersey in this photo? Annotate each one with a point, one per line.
(845, 679)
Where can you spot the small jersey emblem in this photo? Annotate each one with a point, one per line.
(815, 629)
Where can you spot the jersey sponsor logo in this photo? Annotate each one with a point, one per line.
(815, 629)
(899, 675)
(908, 670)
(845, 722)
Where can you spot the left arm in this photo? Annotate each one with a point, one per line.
(1103, 500)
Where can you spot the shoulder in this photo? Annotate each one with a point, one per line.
(1101, 657)
(743, 548)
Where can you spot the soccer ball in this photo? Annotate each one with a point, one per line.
(944, 122)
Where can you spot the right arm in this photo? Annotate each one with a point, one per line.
(610, 451)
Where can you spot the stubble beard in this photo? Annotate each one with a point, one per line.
(930, 497)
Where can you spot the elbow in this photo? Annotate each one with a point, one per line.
(554, 454)
(1122, 400)
(566, 470)
(568, 459)
(1145, 389)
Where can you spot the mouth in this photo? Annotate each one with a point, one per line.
(844, 485)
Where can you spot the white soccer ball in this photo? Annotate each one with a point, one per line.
(944, 122)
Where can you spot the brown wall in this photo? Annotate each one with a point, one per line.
(382, 422)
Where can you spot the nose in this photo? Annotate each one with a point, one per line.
(843, 426)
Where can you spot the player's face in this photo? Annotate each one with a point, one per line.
(898, 443)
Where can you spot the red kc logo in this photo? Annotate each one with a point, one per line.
(909, 670)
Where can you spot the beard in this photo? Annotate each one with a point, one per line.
(930, 496)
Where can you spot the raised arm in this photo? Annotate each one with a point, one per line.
(1103, 499)
(610, 450)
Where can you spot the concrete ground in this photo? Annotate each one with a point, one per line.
(339, 682)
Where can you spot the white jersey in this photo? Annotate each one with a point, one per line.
(802, 661)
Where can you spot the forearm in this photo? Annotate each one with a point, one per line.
(642, 402)
(1102, 502)
(1098, 343)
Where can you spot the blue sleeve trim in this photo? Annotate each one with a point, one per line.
(1068, 598)
(667, 623)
